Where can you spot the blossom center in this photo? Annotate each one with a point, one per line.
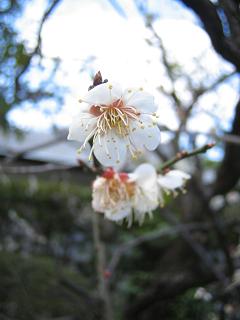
(118, 190)
(115, 115)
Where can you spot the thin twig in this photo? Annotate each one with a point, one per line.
(73, 287)
(100, 255)
(200, 251)
(163, 232)
(227, 137)
(46, 167)
(185, 154)
(37, 49)
(49, 167)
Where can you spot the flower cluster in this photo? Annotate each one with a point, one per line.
(116, 122)
(131, 196)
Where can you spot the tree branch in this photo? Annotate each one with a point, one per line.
(209, 15)
(163, 232)
(185, 154)
(103, 289)
(37, 49)
(229, 172)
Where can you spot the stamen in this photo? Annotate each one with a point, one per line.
(90, 154)
(89, 137)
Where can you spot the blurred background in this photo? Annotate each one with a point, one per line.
(182, 264)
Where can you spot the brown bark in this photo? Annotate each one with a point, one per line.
(222, 24)
(229, 171)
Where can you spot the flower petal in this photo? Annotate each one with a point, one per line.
(146, 202)
(82, 126)
(146, 194)
(84, 107)
(118, 214)
(142, 101)
(110, 149)
(146, 134)
(104, 94)
(170, 183)
(143, 173)
(180, 174)
(173, 179)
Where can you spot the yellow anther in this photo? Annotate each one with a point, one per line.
(110, 86)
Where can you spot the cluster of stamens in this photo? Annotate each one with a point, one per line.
(117, 187)
(116, 115)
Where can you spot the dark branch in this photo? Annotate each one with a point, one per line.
(224, 43)
(229, 171)
(37, 49)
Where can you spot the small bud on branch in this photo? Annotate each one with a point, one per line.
(97, 80)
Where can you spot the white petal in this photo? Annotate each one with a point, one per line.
(84, 107)
(146, 203)
(142, 101)
(118, 214)
(99, 195)
(143, 173)
(82, 126)
(170, 183)
(103, 94)
(110, 149)
(146, 195)
(173, 179)
(179, 173)
(146, 135)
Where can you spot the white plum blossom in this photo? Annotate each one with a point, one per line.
(117, 122)
(126, 196)
(132, 196)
